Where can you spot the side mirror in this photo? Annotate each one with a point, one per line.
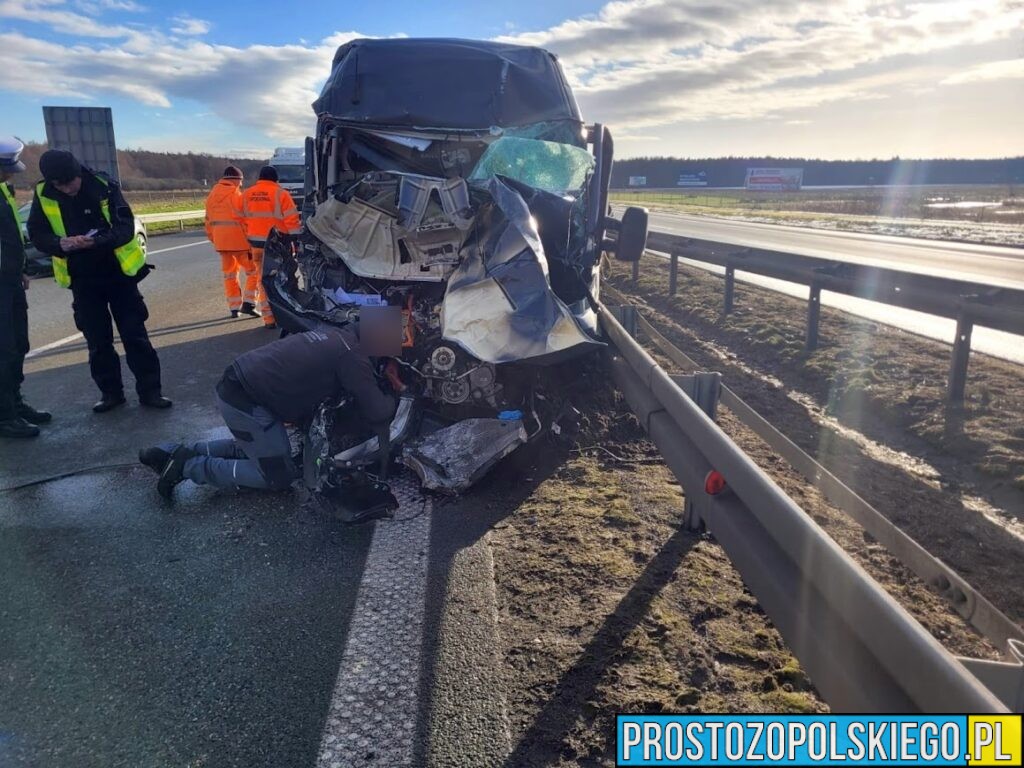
(632, 235)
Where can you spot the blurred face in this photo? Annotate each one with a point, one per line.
(69, 188)
(380, 331)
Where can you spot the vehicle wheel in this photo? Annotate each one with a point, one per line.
(141, 237)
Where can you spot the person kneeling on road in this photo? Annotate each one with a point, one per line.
(281, 382)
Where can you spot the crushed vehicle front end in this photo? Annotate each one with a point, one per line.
(457, 181)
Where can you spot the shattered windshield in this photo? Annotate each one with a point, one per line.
(546, 165)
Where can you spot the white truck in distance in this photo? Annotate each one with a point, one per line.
(290, 163)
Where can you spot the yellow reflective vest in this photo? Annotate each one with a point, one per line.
(131, 256)
(14, 207)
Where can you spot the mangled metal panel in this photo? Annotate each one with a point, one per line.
(468, 85)
(499, 305)
(452, 459)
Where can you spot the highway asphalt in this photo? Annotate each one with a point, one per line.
(988, 264)
(209, 631)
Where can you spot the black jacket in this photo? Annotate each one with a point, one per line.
(292, 376)
(12, 250)
(81, 214)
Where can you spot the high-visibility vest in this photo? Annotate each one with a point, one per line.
(9, 197)
(265, 205)
(225, 226)
(131, 256)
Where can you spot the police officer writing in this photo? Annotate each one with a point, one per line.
(17, 418)
(82, 220)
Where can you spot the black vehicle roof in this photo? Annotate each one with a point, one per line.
(445, 83)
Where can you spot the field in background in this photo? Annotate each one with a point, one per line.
(982, 204)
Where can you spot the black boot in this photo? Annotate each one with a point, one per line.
(173, 471)
(249, 309)
(31, 415)
(109, 402)
(17, 427)
(154, 458)
(155, 400)
(234, 313)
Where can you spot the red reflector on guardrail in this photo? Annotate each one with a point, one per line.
(714, 483)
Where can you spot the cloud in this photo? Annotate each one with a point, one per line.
(635, 64)
(993, 70)
(640, 63)
(95, 7)
(54, 14)
(187, 25)
(268, 88)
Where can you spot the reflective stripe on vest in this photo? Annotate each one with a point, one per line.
(14, 208)
(131, 256)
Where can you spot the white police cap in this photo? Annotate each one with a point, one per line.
(10, 152)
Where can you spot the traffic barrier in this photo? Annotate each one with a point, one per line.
(863, 651)
(967, 303)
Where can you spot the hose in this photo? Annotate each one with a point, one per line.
(63, 475)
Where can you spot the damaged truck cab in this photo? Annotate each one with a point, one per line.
(457, 181)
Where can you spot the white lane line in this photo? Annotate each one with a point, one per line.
(54, 345)
(77, 336)
(375, 708)
(177, 247)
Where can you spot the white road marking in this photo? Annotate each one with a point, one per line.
(374, 710)
(176, 247)
(77, 336)
(54, 345)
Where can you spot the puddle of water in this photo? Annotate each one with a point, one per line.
(964, 204)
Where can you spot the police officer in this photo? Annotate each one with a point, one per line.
(82, 220)
(17, 418)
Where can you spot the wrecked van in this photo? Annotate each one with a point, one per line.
(455, 180)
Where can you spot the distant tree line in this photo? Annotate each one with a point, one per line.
(731, 171)
(144, 170)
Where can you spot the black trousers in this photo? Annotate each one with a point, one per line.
(13, 344)
(95, 303)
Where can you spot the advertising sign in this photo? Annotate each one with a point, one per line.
(638, 181)
(85, 132)
(775, 179)
(699, 179)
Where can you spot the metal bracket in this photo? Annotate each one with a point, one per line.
(704, 389)
(1004, 678)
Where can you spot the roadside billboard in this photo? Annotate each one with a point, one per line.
(85, 132)
(698, 179)
(638, 181)
(775, 179)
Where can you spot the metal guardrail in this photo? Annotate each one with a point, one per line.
(973, 607)
(863, 651)
(966, 302)
(179, 216)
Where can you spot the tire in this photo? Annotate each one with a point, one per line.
(141, 237)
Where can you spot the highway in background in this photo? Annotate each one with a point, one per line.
(989, 264)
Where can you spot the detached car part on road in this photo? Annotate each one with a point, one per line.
(456, 180)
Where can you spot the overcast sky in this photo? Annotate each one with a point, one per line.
(832, 79)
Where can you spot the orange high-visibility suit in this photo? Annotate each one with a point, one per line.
(225, 228)
(265, 205)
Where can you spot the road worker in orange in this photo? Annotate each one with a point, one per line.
(265, 205)
(225, 228)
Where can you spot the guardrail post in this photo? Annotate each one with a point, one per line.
(181, 225)
(961, 356)
(673, 273)
(730, 284)
(813, 316)
(704, 389)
